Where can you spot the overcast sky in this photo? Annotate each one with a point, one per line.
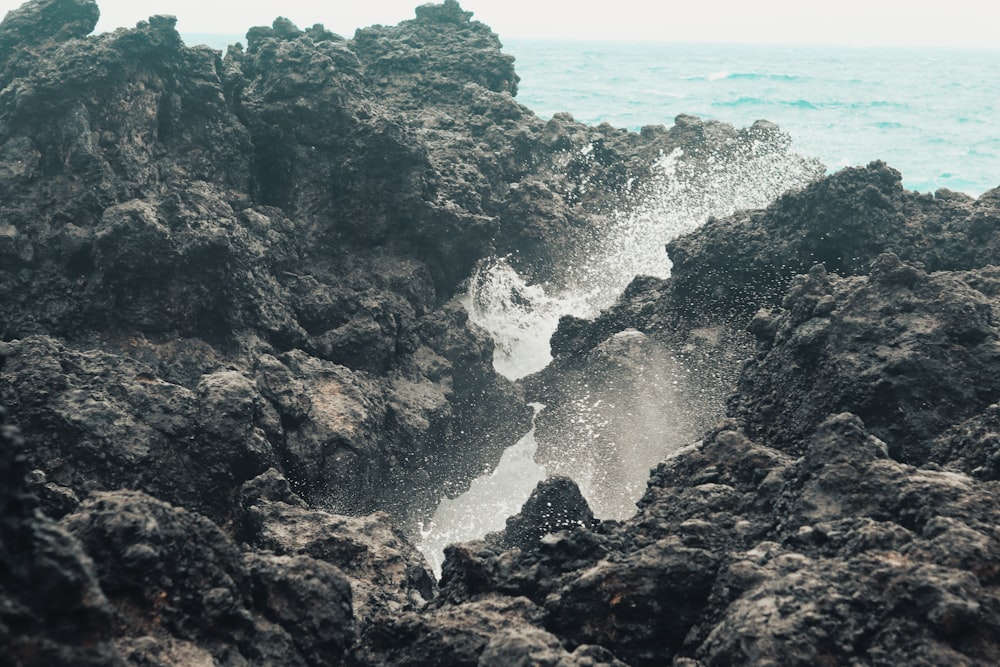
(964, 23)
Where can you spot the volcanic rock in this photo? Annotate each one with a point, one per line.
(232, 349)
(52, 608)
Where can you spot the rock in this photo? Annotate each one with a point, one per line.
(41, 21)
(182, 590)
(102, 421)
(450, 636)
(55, 501)
(310, 599)
(387, 574)
(555, 504)
(972, 446)
(640, 607)
(231, 341)
(158, 563)
(918, 365)
(533, 646)
(175, 235)
(52, 609)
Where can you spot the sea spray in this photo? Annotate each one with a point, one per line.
(615, 427)
(684, 190)
(616, 411)
(486, 505)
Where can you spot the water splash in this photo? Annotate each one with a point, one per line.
(683, 192)
(624, 412)
(484, 508)
(519, 317)
(748, 171)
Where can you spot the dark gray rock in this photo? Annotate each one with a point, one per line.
(52, 609)
(386, 573)
(226, 301)
(450, 636)
(911, 353)
(182, 590)
(555, 504)
(103, 421)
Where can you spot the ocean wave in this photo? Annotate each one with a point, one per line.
(975, 152)
(809, 104)
(751, 76)
(663, 93)
(760, 101)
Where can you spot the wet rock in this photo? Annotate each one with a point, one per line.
(165, 567)
(555, 504)
(226, 301)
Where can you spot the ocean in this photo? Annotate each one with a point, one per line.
(933, 114)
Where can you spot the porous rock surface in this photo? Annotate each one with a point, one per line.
(239, 377)
(843, 511)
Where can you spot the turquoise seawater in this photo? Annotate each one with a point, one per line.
(933, 114)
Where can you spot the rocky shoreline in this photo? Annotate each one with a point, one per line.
(235, 377)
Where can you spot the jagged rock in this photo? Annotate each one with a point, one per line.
(41, 21)
(449, 636)
(165, 569)
(788, 561)
(555, 504)
(911, 353)
(102, 421)
(387, 574)
(310, 599)
(228, 283)
(640, 607)
(52, 610)
(972, 446)
(182, 589)
(55, 501)
(533, 646)
(160, 170)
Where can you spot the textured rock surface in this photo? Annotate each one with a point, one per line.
(52, 609)
(231, 346)
(180, 586)
(386, 572)
(189, 287)
(554, 505)
(845, 512)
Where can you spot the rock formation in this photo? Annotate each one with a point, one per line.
(235, 374)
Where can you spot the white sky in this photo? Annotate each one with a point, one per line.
(957, 23)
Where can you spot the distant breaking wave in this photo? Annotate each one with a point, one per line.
(750, 76)
(808, 104)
